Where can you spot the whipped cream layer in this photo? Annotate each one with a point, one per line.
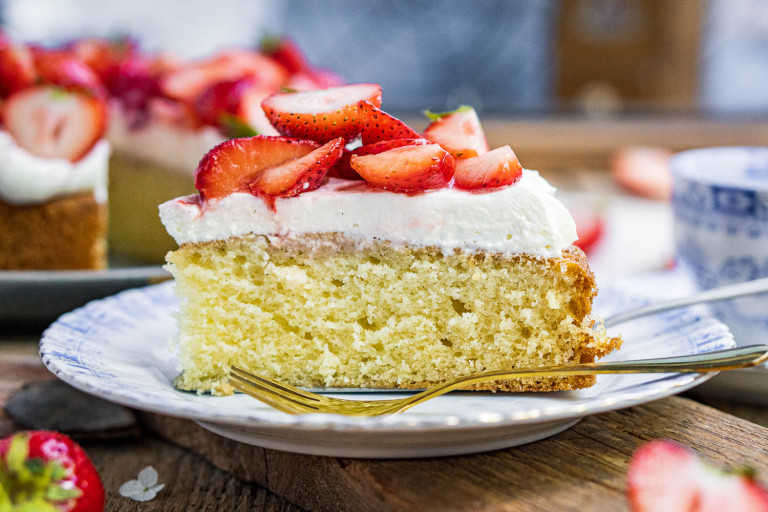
(525, 217)
(26, 179)
(162, 142)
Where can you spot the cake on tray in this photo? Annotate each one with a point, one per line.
(53, 162)
(352, 251)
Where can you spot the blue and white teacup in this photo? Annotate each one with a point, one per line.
(720, 202)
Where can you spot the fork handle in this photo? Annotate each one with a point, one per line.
(717, 360)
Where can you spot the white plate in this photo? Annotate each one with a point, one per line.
(28, 296)
(746, 385)
(117, 349)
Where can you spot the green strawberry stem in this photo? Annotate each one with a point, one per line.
(434, 116)
(32, 484)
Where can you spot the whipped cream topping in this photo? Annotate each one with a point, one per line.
(26, 179)
(162, 142)
(524, 217)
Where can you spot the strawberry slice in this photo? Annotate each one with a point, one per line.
(235, 106)
(104, 56)
(491, 170)
(665, 476)
(409, 169)
(285, 52)
(299, 175)
(43, 470)
(376, 126)
(233, 165)
(344, 169)
(62, 69)
(313, 79)
(458, 131)
(321, 115)
(51, 122)
(188, 82)
(17, 68)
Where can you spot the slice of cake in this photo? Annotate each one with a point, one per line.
(440, 259)
(53, 163)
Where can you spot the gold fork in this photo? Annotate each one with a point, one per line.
(293, 400)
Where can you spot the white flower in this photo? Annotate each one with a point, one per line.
(143, 489)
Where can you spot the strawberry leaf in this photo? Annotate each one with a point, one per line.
(59, 493)
(235, 128)
(17, 453)
(35, 505)
(434, 116)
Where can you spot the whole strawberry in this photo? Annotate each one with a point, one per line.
(665, 476)
(45, 471)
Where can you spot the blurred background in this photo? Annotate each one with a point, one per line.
(523, 57)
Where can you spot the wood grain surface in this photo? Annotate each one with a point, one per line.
(583, 468)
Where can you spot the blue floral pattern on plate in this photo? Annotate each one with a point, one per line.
(117, 348)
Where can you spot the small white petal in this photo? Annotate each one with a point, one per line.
(131, 488)
(145, 496)
(157, 488)
(148, 476)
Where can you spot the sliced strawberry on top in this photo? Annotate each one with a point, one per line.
(62, 69)
(491, 170)
(17, 68)
(189, 81)
(47, 471)
(344, 169)
(235, 106)
(409, 169)
(458, 131)
(52, 122)
(134, 83)
(665, 476)
(285, 52)
(299, 175)
(232, 165)
(103, 56)
(376, 126)
(313, 79)
(321, 115)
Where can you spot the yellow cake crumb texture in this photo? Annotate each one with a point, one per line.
(318, 312)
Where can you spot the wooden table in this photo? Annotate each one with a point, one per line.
(583, 468)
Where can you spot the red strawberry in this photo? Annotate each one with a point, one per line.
(321, 115)
(48, 472)
(286, 52)
(491, 170)
(65, 70)
(666, 476)
(377, 125)
(134, 84)
(313, 79)
(188, 82)
(344, 169)
(590, 228)
(103, 56)
(235, 106)
(232, 165)
(17, 68)
(410, 169)
(459, 132)
(55, 123)
(299, 175)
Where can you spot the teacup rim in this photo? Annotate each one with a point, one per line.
(682, 167)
